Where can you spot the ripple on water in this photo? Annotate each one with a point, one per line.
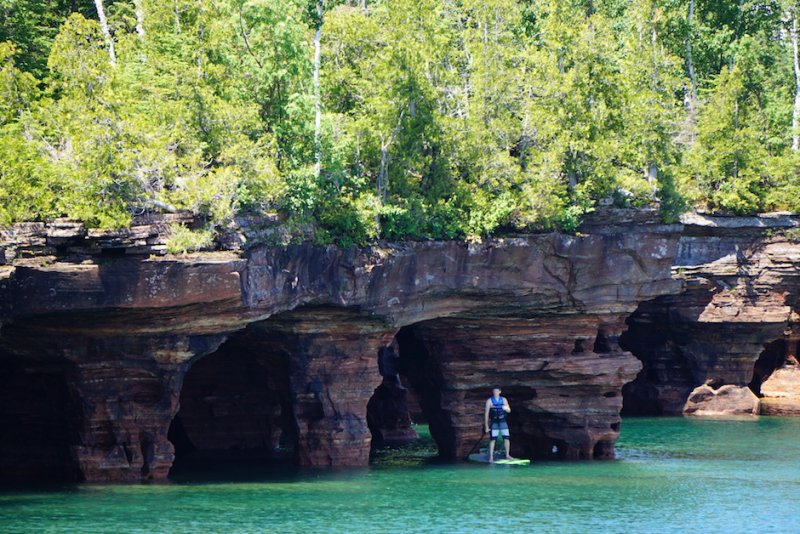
(671, 475)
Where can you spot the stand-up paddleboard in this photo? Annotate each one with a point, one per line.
(483, 457)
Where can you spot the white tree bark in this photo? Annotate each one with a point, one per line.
(383, 173)
(101, 14)
(177, 16)
(689, 62)
(139, 8)
(652, 168)
(796, 64)
(317, 96)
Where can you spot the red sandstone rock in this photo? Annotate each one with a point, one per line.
(781, 392)
(727, 400)
(549, 308)
(742, 295)
(551, 370)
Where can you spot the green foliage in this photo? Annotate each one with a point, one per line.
(28, 187)
(183, 240)
(17, 88)
(439, 119)
(726, 166)
(348, 220)
(793, 235)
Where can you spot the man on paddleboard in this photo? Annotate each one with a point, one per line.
(495, 421)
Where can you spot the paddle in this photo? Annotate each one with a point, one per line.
(475, 446)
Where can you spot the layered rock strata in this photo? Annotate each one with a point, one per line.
(113, 336)
(781, 392)
(563, 377)
(734, 323)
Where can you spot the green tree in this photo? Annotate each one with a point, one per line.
(726, 166)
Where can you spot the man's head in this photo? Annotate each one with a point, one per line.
(496, 391)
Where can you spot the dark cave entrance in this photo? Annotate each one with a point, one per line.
(235, 408)
(423, 374)
(393, 410)
(442, 391)
(40, 418)
(666, 378)
(774, 356)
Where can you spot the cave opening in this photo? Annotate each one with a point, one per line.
(235, 409)
(666, 379)
(394, 413)
(40, 418)
(775, 355)
(448, 370)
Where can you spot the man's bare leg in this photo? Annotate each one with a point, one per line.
(491, 451)
(507, 443)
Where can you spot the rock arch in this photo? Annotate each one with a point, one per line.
(132, 328)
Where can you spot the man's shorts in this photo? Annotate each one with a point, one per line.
(500, 428)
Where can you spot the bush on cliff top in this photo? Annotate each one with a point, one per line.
(432, 118)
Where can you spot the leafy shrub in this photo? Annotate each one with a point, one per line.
(182, 240)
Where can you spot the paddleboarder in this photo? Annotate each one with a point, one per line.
(495, 421)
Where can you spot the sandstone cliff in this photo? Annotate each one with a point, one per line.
(734, 323)
(113, 354)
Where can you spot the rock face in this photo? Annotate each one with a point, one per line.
(108, 355)
(727, 400)
(781, 392)
(388, 412)
(734, 323)
(114, 355)
(563, 378)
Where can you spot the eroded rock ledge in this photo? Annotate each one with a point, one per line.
(114, 355)
(732, 326)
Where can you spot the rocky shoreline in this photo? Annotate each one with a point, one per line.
(114, 354)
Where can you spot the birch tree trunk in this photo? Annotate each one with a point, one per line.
(177, 16)
(796, 64)
(689, 61)
(383, 173)
(651, 172)
(139, 8)
(317, 96)
(101, 14)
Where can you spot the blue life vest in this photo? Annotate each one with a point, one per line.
(498, 414)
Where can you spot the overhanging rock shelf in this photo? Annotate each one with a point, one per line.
(103, 336)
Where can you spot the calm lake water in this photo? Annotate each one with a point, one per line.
(671, 475)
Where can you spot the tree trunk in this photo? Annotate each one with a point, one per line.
(652, 167)
(317, 97)
(651, 174)
(689, 62)
(139, 8)
(796, 63)
(383, 173)
(177, 15)
(101, 14)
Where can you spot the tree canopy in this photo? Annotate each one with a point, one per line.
(401, 119)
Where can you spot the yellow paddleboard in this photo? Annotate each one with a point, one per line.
(484, 458)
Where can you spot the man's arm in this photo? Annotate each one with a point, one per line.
(486, 415)
(506, 406)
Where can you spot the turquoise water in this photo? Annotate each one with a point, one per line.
(672, 475)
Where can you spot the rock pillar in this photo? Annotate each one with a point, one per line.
(128, 390)
(333, 371)
(791, 349)
(119, 396)
(562, 376)
(387, 412)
